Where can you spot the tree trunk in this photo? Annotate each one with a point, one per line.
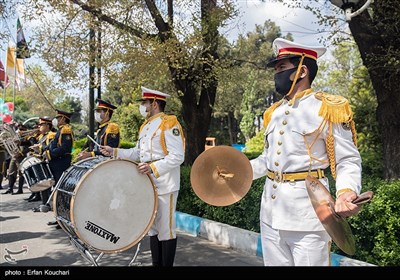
(200, 79)
(373, 46)
(196, 116)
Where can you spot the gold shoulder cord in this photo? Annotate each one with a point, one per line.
(335, 109)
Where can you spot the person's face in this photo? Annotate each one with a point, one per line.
(60, 120)
(43, 127)
(149, 106)
(102, 112)
(283, 65)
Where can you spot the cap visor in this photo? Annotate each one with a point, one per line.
(274, 61)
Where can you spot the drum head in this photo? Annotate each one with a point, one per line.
(113, 206)
(28, 162)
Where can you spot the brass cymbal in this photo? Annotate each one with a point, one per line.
(336, 226)
(221, 176)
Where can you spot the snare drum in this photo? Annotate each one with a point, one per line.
(106, 203)
(37, 174)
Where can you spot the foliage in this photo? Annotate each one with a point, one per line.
(245, 87)
(361, 95)
(377, 226)
(256, 144)
(71, 104)
(129, 120)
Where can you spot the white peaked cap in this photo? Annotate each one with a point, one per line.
(153, 94)
(286, 49)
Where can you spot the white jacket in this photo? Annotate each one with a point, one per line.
(291, 129)
(160, 143)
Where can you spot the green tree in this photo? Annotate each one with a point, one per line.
(245, 87)
(181, 37)
(348, 66)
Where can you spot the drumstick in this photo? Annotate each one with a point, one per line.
(94, 141)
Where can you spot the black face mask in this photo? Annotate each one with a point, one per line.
(283, 82)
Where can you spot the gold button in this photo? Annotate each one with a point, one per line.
(281, 132)
(276, 163)
(274, 186)
(273, 196)
(278, 152)
(279, 143)
(287, 112)
(284, 122)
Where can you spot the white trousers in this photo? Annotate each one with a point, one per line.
(295, 248)
(164, 224)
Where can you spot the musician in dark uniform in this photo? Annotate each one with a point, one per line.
(59, 151)
(47, 133)
(108, 133)
(3, 168)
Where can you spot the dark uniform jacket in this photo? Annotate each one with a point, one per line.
(58, 152)
(44, 141)
(107, 135)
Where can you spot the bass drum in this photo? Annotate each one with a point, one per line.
(106, 203)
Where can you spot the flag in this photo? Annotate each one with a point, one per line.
(17, 72)
(3, 76)
(22, 47)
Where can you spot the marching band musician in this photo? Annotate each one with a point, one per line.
(47, 133)
(306, 131)
(16, 159)
(59, 151)
(160, 150)
(108, 133)
(3, 164)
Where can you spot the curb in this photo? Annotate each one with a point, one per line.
(239, 239)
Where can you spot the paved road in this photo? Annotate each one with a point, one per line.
(47, 246)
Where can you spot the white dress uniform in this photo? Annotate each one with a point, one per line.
(293, 127)
(161, 145)
(310, 132)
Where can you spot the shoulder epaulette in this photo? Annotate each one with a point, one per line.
(51, 135)
(268, 113)
(112, 128)
(334, 108)
(169, 122)
(66, 129)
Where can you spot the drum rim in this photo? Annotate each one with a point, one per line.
(26, 159)
(40, 162)
(72, 202)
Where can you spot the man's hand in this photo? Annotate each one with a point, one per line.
(44, 156)
(344, 205)
(83, 155)
(107, 151)
(35, 148)
(144, 168)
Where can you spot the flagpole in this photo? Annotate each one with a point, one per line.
(15, 80)
(5, 86)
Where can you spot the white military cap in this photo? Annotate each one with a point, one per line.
(288, 49)
(153, 94)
